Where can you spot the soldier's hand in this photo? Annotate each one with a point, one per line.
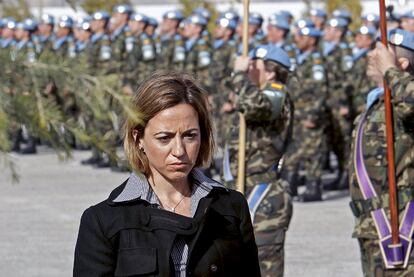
(383, 58)
(308, 124)
(241, 64)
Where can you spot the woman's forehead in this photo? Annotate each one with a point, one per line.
(179, 117)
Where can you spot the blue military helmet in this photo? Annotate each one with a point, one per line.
(196, 19)
(122, 8)
(400, 37)
(318, 13)
(226, 23)
(65, 22)
(28, 25)
(337, 22)
(83, 23)
(309, 31)
(47, 19)
(342, 14)
(140, 17)
(174, 15)
(409, 14)
(279, 22)
(203, 12)
(10, 23)
(100, 15)
(371, 17)
(255, 18)
(271, 53)
(304, 22)
(367, 30)
(286, 14)
(231, 15)
(152, 22)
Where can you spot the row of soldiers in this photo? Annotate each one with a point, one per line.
(130, 45)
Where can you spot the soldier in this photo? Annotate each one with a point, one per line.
(140, 52)
(370, 20)
(255, 32)
(8, 34)
(152, 26)
(46, 35)
(223, 56)
(369, 186)
(318, 17)
(262, 96)
(308, 147)
(25, 50)
(364, 39)
(407, 21)
(64, 44)
(339, 62)
(198, 50)
(170, 44)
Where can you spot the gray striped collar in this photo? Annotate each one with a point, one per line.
(137, 186)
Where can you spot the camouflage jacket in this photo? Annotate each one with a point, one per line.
(222, 63)
(170, 52)
(308, 88)
(374, 150)
(140, 58)
(100, 54)
(339, 63)
(361, 83)
(198, 62)
(117, 63)
(64, 48)
(267, 125)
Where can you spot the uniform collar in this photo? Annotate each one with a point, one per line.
(137, 186)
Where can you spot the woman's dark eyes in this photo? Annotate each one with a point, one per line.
(191, 136)
(168, 138)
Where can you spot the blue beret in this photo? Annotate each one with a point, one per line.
(371, 17)
(122, 8)
(279, 22)
(318, 13)
(271, 53)
(28, 25)
(309, 31)
(366, 30)
(47, 19)
(100, 15)
(226, 23)
(197, 19)
(402, 38)
(175, 15)
(139, 17)
(409, 14)
(342, 14)
(337, 22)
(65, 22)
(302, 23)
(288, 15)
(255, 18)
(203, 12)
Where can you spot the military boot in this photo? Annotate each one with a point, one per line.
(30, 147)
(292, 178)
(312, 193)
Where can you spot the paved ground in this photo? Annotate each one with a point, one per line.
(40, 216)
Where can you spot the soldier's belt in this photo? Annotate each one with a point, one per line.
(365, 206)
(393, 256)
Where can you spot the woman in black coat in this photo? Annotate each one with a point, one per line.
(168, 218)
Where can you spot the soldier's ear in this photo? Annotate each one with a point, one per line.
(403, 63)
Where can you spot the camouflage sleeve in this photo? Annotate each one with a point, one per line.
(252, 102)
(402, 86)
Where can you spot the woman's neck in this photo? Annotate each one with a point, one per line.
(169, 189)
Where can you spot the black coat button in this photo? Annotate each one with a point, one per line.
(213, 268)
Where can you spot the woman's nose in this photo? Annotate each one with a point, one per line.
(178, 147)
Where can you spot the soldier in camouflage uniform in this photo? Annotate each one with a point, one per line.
(318, 17)
(7, 35)
(339, 62)
(64, 47)
(170, 44)
(364, 39)
(308, 147)
(198, 50)
(369, 149)
(140, 51)
(24, 50)
(262, 96)
(220, 70)
(46, 35)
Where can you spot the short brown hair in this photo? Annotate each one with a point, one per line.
(163, 90)
(281, 73)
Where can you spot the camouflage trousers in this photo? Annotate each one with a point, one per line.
(308, 149)
(373, 265)
(271, 222)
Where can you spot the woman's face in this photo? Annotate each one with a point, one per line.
(257, 72)
(171, 142)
